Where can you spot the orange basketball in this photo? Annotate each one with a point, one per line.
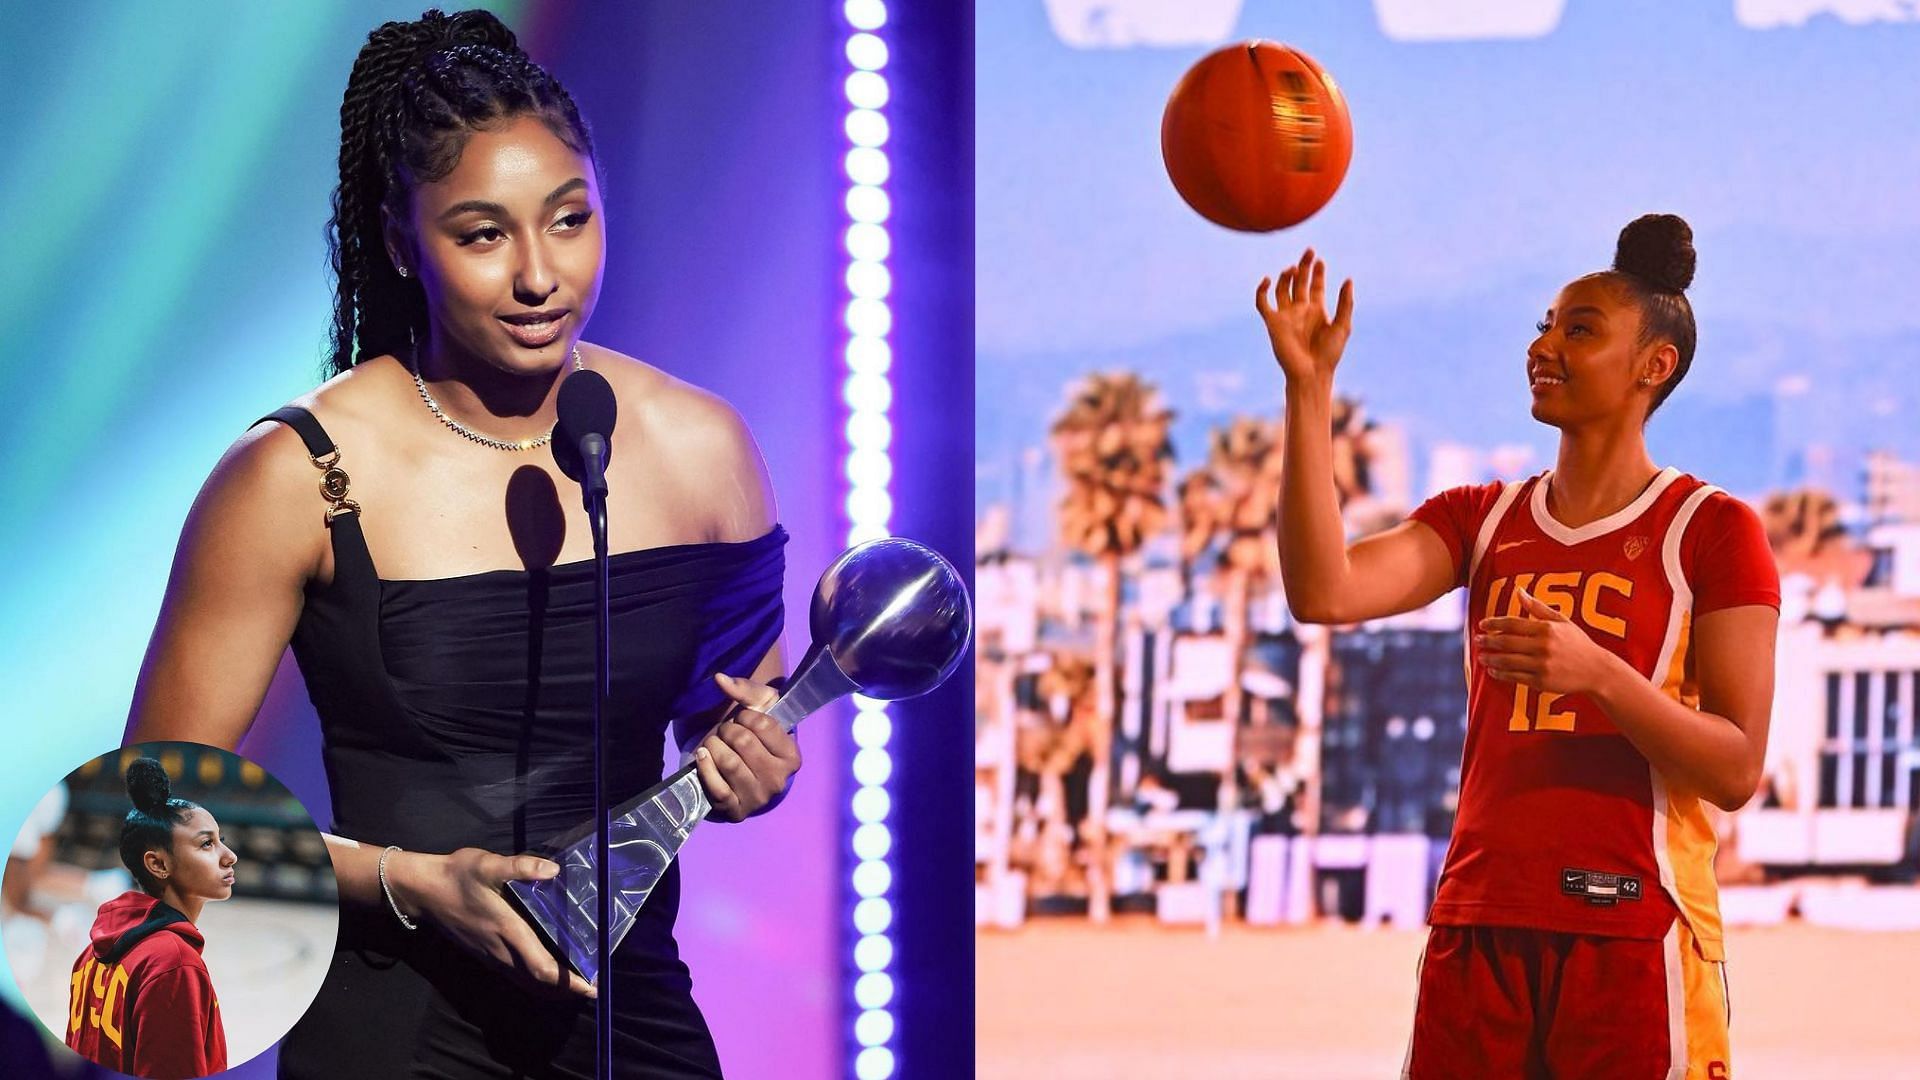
(1256, 136)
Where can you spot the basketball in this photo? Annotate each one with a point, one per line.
(1256, 136)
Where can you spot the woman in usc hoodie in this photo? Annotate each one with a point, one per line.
(141, 999)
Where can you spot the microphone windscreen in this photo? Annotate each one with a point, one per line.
(585, 406)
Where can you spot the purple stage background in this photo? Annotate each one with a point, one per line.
(717, 131)
(166, 185)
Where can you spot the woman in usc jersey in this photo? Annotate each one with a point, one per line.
(141, 999)
(1620, 645)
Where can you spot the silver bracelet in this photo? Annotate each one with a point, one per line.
(404, 921)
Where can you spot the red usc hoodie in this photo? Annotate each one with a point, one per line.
(141, 1000)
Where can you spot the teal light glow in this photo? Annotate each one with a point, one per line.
(163, 193)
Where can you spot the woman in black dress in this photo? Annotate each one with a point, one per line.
(437, 589)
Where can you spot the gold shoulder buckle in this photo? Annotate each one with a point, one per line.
(334, 484)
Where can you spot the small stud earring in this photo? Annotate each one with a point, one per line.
(402, 269)
(1643, 381)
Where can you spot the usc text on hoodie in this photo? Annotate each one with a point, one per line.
(141, 999)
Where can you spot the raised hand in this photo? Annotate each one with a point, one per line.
(1305, 342)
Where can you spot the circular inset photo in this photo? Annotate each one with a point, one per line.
(169, 910)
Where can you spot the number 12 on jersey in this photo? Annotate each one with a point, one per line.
(1533, 712)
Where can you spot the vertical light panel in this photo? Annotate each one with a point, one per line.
(869, 394)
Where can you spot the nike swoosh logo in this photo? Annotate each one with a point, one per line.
(1510, 544)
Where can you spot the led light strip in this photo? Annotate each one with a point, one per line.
(869, 393)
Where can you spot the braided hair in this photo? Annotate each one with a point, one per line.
(149, 825)
(1653, 261)
(417, 91)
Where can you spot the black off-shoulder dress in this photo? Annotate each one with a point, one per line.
(456, 713)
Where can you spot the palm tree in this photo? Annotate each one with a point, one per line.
(1114, 452)
(1352, 450)
(1242, 474)
(1231, 504)
(1804, 529)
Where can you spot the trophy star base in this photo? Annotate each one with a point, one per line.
(643, 836)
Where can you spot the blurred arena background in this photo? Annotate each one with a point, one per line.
(1206, 836)
(267, 947)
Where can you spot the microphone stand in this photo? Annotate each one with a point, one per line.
(593, 453)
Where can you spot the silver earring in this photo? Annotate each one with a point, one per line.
(1643, 382)
(402, 269)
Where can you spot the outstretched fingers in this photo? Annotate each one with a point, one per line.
(1302, 283)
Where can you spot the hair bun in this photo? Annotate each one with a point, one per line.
(1657, 249)
(438, 30)
(148, 784)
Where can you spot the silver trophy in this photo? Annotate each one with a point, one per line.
(890, 620)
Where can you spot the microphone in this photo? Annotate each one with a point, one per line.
(582, 446)
(583, 437)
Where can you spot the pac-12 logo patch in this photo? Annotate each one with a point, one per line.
(1635, 545)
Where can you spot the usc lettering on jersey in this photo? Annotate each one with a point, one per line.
(140, 998)
(1563, 825)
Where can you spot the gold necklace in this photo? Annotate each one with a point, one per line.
(461, 429)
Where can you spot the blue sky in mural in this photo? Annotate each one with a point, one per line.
(1486, 172)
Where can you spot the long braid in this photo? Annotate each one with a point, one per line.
(417, 90)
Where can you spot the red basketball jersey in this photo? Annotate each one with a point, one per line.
(1562, 824)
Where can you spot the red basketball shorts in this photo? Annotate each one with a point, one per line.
(1497, 1002)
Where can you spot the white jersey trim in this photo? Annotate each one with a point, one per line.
(1677, 612)
(1618, 519)
(1676, 577)
(1508, 492)
(1676, 1005)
